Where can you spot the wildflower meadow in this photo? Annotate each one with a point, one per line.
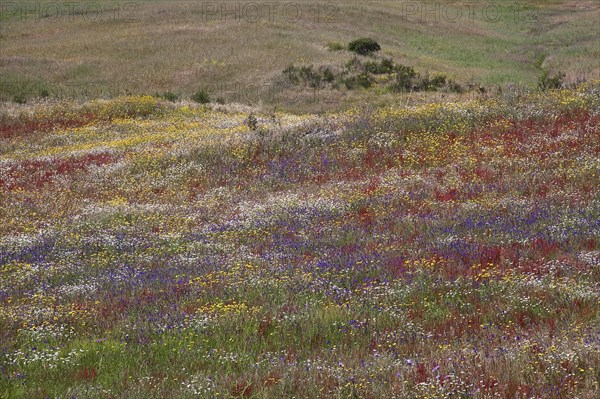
(151, 249)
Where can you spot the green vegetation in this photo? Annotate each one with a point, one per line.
(201, 96)
(364, 46)
(547, 82)
(169, 96)
(252, 122)
(356, 73)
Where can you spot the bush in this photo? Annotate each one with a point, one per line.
(291, 73)
(364, 46)
(309, 76)
(547, 82)
(405, 76)
(327, 74)
(361, 80)
(386, 66)
(454, 87)
(354, 64)
(252, 122)
(19, 98)
(438, 81)
(360, 73)
(201, 96)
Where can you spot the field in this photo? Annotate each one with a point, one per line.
(238, 49)
(157, 250)
(284, 240)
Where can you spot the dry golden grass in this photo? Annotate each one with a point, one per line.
(238, 52)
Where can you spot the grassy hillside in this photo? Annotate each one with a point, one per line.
(238, 51)
(346, 230)
(153, 250)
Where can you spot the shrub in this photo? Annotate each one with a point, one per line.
(292, 74)
(364, 46)
(310, 76)
(354, 64)
(44, 93)
(361, 80)
(360, 73)
(19, 98)
(386, 66)
(201, 96)
(547, 82)
(405, 76)
(252, 122)
(438, 81)
(327, 74)
(421, 82)
(454, 87)
(425, 82)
